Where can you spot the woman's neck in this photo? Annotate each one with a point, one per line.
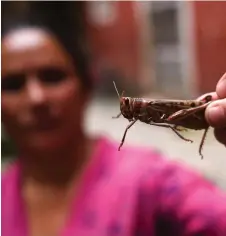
(59, 167)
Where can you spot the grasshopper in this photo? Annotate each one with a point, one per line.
(172, 114)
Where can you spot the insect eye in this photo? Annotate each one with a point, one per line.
(127, 101)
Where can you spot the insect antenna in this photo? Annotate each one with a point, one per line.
(117, 91)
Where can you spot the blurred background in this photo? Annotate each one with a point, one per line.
(156, 49)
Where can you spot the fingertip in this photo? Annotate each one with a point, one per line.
(221, 87)
(216, 113)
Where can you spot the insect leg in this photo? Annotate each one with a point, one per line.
(181, 114)
(174, 130)
(124, 136)
(202, 142)
(116, 117)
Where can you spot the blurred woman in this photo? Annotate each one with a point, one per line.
(67, 183)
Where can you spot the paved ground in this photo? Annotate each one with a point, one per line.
(213, 165)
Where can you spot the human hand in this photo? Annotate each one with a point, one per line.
(216, 112)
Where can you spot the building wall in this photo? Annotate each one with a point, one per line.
(210, 43)
(114, 38)
(118, 44)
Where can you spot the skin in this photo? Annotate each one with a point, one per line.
(45, 120)
(216, 111)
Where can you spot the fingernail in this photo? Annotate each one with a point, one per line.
(215, 115)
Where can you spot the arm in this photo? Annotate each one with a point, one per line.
(184, 203)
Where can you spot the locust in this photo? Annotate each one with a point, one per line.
(177, 115)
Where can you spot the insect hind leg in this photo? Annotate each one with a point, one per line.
(174, 130)
(202, 142)
(181, 114)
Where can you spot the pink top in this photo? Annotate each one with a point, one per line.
(131, 192)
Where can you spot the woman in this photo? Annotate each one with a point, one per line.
(65, 183)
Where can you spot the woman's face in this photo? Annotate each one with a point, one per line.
(42, 98)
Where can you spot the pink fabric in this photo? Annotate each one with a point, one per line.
(131, 192)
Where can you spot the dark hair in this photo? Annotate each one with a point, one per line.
(65, 20)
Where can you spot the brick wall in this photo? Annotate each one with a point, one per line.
(210, 39)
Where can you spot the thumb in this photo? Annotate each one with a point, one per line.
(216, 113)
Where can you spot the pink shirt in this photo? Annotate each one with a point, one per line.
(131, 192)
